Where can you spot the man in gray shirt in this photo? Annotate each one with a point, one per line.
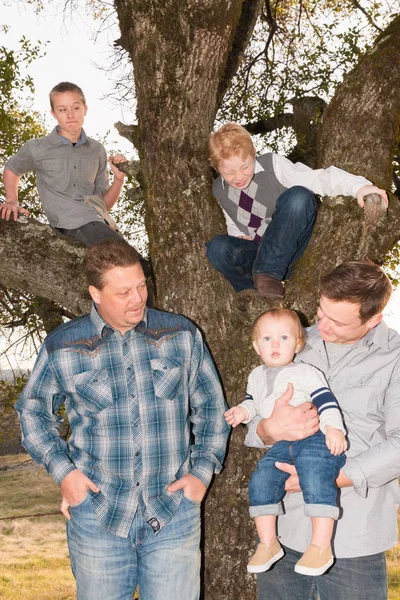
(71, 173)
(360, 357)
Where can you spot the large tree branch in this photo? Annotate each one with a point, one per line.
(360, 129)
(38, 261)
(304, 120)
(271, 124)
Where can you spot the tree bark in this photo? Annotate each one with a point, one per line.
(360, 132)
(38, 261)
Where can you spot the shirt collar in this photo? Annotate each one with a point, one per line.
(102, 327)
(257, 169)
(378, 335)
(63, 140)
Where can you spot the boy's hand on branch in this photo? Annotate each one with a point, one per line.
(9, 209)
(114, 160)
(371, 189)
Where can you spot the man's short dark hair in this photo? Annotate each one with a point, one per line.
(65, 86)
(105, 255)
(360, 282)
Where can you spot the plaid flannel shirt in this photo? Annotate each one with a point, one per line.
(145, 408)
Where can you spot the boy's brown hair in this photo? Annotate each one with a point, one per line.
(65, 86)
(231, 139)
(281, 313)
(359, 282)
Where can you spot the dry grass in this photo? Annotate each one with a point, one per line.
(34, 560)
(34, 563)
(33, 552)
(393, 564)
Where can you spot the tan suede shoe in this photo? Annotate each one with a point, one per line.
(314, 561)
(264, 557)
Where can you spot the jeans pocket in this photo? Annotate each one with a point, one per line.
(190, 500)
(78, 504)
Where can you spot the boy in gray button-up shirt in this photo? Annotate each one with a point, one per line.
(71, 173)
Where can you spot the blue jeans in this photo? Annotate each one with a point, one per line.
(316, 467)
(284, 241)
(165, 566)
(362, 578)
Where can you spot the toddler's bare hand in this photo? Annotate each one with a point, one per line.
(335, 440)
(235, 415)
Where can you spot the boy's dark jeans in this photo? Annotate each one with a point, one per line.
(91, 233)
(282, 244)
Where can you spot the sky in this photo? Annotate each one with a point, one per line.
(72, 54)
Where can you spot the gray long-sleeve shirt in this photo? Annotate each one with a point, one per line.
(366, 383)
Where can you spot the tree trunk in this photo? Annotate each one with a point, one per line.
(360, 131)
(183, 55)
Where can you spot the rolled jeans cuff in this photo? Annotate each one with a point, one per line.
(266, 509)
(321, 510)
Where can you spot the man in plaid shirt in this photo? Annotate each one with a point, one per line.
(145, 408)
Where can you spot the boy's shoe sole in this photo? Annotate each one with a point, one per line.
(267, 565)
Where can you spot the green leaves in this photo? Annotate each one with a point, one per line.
(18, 123)
(299, 49)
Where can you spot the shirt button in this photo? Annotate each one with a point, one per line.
(137, 484)
(137, 453)
(129, 369)
(125, 344)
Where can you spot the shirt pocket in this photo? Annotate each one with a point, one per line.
(167, 377)
(363, 393)
(55, 172)
(92, 391)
